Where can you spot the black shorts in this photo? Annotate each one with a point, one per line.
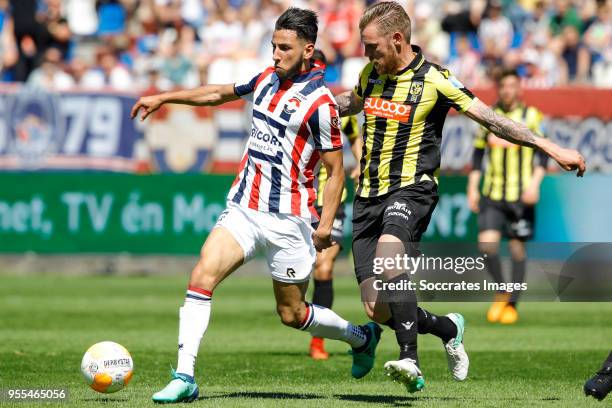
(338, 226)
(515, 220)
(403, 213)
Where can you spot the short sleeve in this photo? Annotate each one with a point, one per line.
(324, 124)
(456, 95)
(245, 90)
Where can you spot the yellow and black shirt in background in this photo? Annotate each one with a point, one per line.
(508, 167)
(350, 128)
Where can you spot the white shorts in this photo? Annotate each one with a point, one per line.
(286, 239)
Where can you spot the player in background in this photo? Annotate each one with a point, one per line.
(405, 99)
(269, 206)
(510, 190)
(601, 384)
(323, 293)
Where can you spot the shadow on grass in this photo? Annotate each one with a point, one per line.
(106, 400)
(371, 399)
(265, 395)
(390, 399)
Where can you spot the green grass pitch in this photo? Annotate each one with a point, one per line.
(248, 359)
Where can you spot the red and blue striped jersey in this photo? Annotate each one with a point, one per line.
(293, 120)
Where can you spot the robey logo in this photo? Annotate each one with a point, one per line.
(387, 109)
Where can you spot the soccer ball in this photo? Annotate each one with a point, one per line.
(107, 367)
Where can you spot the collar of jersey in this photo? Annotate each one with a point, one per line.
(415, 63)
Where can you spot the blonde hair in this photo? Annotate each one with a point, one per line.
(390, 18)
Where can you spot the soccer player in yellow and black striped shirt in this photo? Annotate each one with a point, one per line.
(323, 293)
(510, 189)
(405, 99)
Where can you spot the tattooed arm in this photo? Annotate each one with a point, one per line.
(349, 103)
(518, 133)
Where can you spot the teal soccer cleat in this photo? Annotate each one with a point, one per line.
(182, 388)
(363, 357)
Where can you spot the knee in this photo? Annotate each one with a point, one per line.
(203, 274)
(323, 270)
(489, 248)
(291, 315)
(517, 250)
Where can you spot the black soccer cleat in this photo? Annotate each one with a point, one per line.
(601, 384)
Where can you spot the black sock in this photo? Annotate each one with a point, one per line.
(440, 326)
(323, 294)
(518, 276)
(609, 360)
(404, 316)
(494, 267)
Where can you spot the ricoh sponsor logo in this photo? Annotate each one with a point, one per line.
(264, 137)
(387, 109)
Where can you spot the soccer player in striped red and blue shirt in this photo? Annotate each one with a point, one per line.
(270, 204)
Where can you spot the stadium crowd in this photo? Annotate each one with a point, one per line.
(137, 44)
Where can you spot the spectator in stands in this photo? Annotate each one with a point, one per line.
(254, 31)
(176, 66)
(466, 66)
(495, 32)
(50, 74)
(111, 17)
(78, 69)
(538, 22)
(598, 38)
(221, 39)
(545, 66)
(82, 17)
(59, 36)
(565, 14)
(576, 56)
(214, 34)
(109, 73)
(27, 35)
(340, 27)
(8, 44)
(339, 37)
(427, 32)
(460, 21)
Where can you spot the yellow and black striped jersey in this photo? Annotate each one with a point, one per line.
(404, 116)
(350, 129)
(509, 167)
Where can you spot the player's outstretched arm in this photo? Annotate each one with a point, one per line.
(207, 95)
(518, 133)
(332, 195)
(349, 103)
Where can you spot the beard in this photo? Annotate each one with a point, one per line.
(288, 73)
